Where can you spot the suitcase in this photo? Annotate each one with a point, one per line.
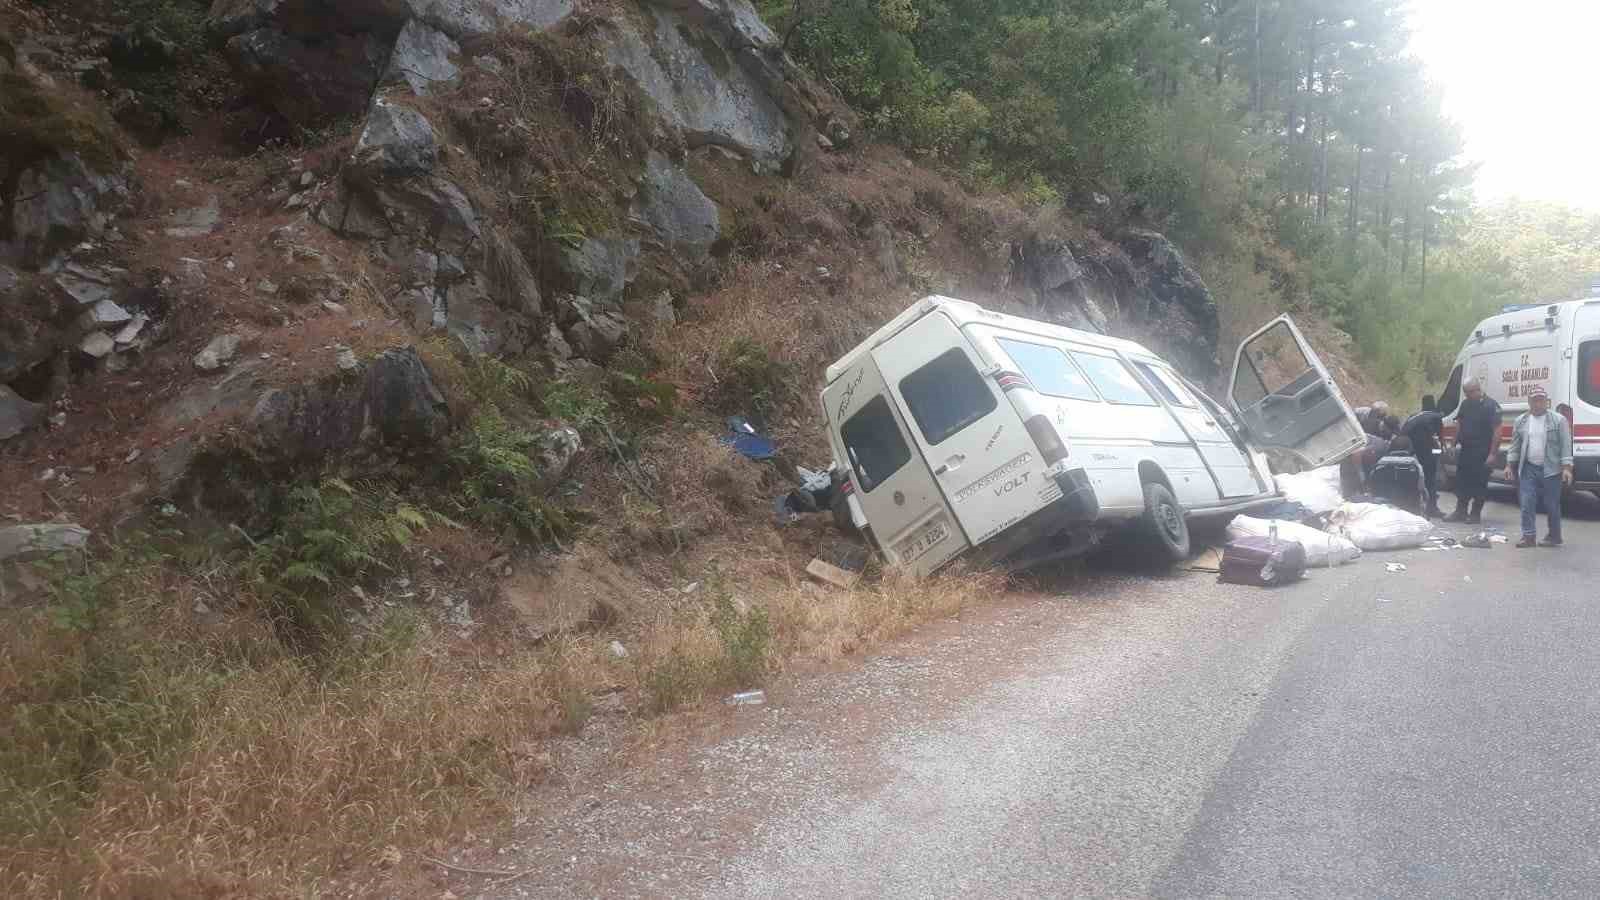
(1262, 561)
(1398, 480)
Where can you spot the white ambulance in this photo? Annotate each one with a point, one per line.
(1552, 345)
(963, 429)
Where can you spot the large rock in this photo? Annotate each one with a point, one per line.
(710, 100)
(431, 208)
(59, 202)
(392, 401)
(219, 352)
(423, 59)
(18, 415)
(1171, 278)
(44, 539)
(601, 268)
(476, 18)
(397, 142)
(310, 80)
(1183, 318)
(672, 206)
(481, 325)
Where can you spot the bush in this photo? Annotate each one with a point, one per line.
(750, 382)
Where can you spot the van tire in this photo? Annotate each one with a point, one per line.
(1164, 521)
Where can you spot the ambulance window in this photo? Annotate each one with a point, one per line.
(946, 395)
(1451, 398)
(1589, 372)
(1048, 370)
(873, 441)
(1114, 381)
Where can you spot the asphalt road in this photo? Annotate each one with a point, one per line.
(1431, 733)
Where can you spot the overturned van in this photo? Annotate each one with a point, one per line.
(964, 431)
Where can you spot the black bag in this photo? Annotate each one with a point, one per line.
(1398, 480)
(1262, 561)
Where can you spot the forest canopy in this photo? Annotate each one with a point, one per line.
(1296, 147)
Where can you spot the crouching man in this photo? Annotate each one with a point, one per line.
(1540, 465)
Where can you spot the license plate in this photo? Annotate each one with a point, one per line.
(914, 547)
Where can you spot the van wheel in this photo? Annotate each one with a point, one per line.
(1163, 519)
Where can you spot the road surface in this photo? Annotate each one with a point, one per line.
(1431, 733)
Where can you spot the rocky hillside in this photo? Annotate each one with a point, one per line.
(535, 179)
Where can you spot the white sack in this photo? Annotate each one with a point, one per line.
(1322, 549)
(1317, 490)
(1374, 527)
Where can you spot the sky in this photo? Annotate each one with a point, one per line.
(1522, 77)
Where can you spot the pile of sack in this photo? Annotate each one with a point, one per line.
(1315, 527)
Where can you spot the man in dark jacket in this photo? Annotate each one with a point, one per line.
(1423, 430)
(1477, 435)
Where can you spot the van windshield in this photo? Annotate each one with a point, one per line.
(1450, 398)
(946, 395)
(872, 438)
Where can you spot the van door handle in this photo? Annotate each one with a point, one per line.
(942, 469)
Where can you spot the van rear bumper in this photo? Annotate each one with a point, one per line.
(1078, 498)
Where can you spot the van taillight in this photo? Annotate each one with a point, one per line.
(1045, 438)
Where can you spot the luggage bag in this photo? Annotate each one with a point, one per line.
(1262, 561)
(1398, 480)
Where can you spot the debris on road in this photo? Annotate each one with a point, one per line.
(747, 442)
(748, 698)
(1395, 568)
(830, 574)
(1209, 560)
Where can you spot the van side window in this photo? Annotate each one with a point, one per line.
(872, 438)
(1167, 386)
(1113, 379)
(1589, 372)
(946, 395)
(1048, 370)
(1450, 398)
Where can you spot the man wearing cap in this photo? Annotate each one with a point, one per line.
(1540, 465)
(1477, 434)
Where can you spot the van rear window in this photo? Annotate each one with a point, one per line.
(872, 438)
(946, 395)
(1589, 372)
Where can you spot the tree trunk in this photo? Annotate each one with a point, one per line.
(1383, 207)
(1409, 202)
(1354, 220)
(1255, 78)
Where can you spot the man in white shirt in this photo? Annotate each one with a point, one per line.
(1539, 463)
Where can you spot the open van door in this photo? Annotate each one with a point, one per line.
(1288, 402)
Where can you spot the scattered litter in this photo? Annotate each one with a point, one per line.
(1395, 567)
(748, 698)
(132, 456)
(1383, 599)
(691, 587)
(618, 651)
(1209, 560)
(828, 573)
(1498, 539)
(1467, 578)
(1479, 541)
(747, 442)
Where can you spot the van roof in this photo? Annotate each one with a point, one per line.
(963, 313)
